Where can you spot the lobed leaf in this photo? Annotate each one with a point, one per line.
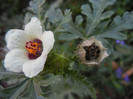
(8, 92)
(36, 6)
(68, 37)
(106, 15)
(97, 14)
(116, 28)
(79, 20)
(69, 87)
(10, 75)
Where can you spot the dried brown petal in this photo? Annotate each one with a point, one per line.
(91, 52)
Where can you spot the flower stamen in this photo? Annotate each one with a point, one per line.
(34, 48)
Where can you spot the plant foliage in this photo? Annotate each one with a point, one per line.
(62, 77)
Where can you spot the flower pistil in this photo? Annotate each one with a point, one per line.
(34, 48)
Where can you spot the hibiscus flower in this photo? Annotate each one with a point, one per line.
(28, 48)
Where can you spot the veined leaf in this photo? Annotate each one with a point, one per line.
(29, 88)
(53, 13)
(70, 28)
(7, 75)
(114, 30)
(106, 15)
(114, 35)
(57, 63)
(79, 20)
(70, 87)
(123, 23)
(86, 10)
(72, 31)
(47, 80)
(20, 91)
(68, 37)
(59, 20)
(106, 44)
(96, 15)
(36, 6)
(8, 92)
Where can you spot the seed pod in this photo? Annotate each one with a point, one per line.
(91, 52)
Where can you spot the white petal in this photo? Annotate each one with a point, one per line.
(48, 41)
(9, 33)
(91, 63)
(15, 59)
(105, 54)
(32, 67)
(34, 28)
(16, 39)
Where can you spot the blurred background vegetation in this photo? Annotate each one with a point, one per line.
(112, 80)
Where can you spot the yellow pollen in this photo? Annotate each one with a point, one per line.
(32, 47)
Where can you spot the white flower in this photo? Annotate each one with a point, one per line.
(28, 48)
(91, 52)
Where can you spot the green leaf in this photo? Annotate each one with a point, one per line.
(96, 15)
(32, 91)
(70, 28)
(36, 6)
(11, 75)
(114, 30)
(106, 44)
(47, 80)
(25, 89)
(56, 63)
(54, 13)
(68, 37)
(86, 10)
(8, 92)
(29, 88)
(70, 87)
(36, 86)
(114, 35)
(42, 83)
(89, 88)
(72, 31)
(123, 23)
(98, 23)
(79, 20)
(59, 20)
(106, 15)
(21, 90)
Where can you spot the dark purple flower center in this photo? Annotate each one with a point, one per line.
(34, 48)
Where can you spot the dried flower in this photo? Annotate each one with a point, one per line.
(91, 52)
(28, 48)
